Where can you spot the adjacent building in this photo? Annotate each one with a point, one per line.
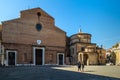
(116, 50)
(81, 49)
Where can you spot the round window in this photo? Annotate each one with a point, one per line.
(38, 26)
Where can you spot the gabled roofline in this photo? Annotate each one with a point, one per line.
(10, 20)
(60, 29)
(37, 8)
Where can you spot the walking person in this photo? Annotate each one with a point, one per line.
(79, 66)
(82, 67)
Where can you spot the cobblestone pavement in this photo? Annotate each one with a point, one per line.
(60, 73)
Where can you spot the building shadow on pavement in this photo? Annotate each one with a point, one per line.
(46, 73)
(71, 75)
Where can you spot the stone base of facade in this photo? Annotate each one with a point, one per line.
(26, 54)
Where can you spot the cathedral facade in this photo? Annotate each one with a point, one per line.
(33, 39)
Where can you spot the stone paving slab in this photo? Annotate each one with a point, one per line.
(52, 73)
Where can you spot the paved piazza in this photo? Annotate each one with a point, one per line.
(60, 73)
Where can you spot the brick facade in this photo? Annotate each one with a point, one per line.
(21, 35)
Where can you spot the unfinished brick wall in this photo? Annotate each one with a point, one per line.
(21, 35)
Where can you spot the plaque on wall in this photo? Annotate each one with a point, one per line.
(39, 42)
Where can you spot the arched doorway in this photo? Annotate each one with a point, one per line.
(83, 57)
(80, 57)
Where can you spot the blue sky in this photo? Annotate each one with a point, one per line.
(101, 18)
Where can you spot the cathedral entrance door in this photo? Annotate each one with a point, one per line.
(38, 56)
(60, 59)
(11, 57)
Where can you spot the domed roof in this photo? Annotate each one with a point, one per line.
(80, 37)
(81, 33)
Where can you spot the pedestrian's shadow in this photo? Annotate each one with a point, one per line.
(89, 71)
